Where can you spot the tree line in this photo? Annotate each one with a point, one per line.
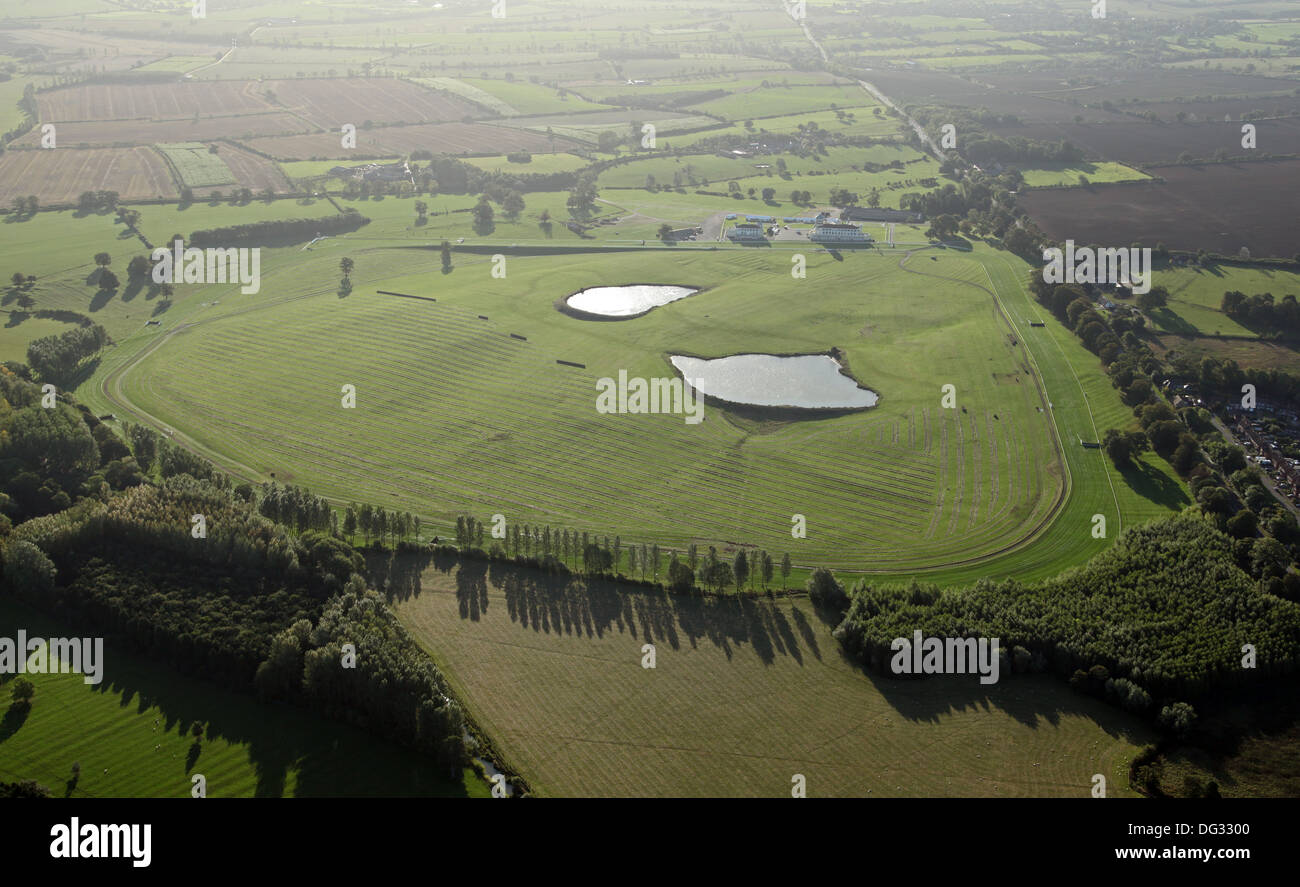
(564, 551)
(277, 230)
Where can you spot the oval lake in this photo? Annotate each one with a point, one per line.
(810, 381)
(626, 301)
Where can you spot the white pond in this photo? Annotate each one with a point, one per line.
(626, 301)
(810, 381)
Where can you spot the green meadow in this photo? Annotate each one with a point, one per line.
(907, 488)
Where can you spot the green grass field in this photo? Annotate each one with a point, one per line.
(1068, 174)
(541, 163)
(743, 696)
(905, 485)
(902, 488)
(131, 735)
(1196, 294)
(862, 122)
(195, 165)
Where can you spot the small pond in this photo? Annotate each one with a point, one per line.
(809, 381)
(626, 301)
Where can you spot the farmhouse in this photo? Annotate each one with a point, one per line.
(839, 232)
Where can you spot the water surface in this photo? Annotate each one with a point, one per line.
(626, 301)
(811, 381)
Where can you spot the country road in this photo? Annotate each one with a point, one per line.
(880, 97)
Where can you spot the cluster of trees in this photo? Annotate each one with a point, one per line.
(97, 201)
(991, 149)
(1260, 312)
(308, 664)
(1167, 609)
(56, 358)
(395, 527)
(52, 457)
(1224, 377)
(582, 199)
(26, 207)
(446, 174)
(277, 231)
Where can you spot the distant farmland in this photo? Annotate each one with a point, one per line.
(1135, 141)
(744, 695)
(148, 132)
(60, 175)
(440, 138)
(152, 101)
(1219, 207)
(331, 103)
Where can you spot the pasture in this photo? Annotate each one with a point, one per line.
(744, 695)
(1068, 175)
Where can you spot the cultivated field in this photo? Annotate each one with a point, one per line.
(146, 132)
(744, 695)
(1220, 207)
(251, 171)
(328, 104)
(153, 101)
(60, 175)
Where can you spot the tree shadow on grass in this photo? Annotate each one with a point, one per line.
(593, 608)
(1151, 483)
(1035, 700)
(102, 297)
(397, 574)
(14, 719)
(1170, 321)
(282, 743)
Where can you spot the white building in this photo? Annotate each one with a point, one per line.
(839, 232)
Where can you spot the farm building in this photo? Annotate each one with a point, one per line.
(376, 172)
(746, 231)
(839, 232)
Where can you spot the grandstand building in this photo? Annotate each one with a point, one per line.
(839, 232)
(746, 231)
